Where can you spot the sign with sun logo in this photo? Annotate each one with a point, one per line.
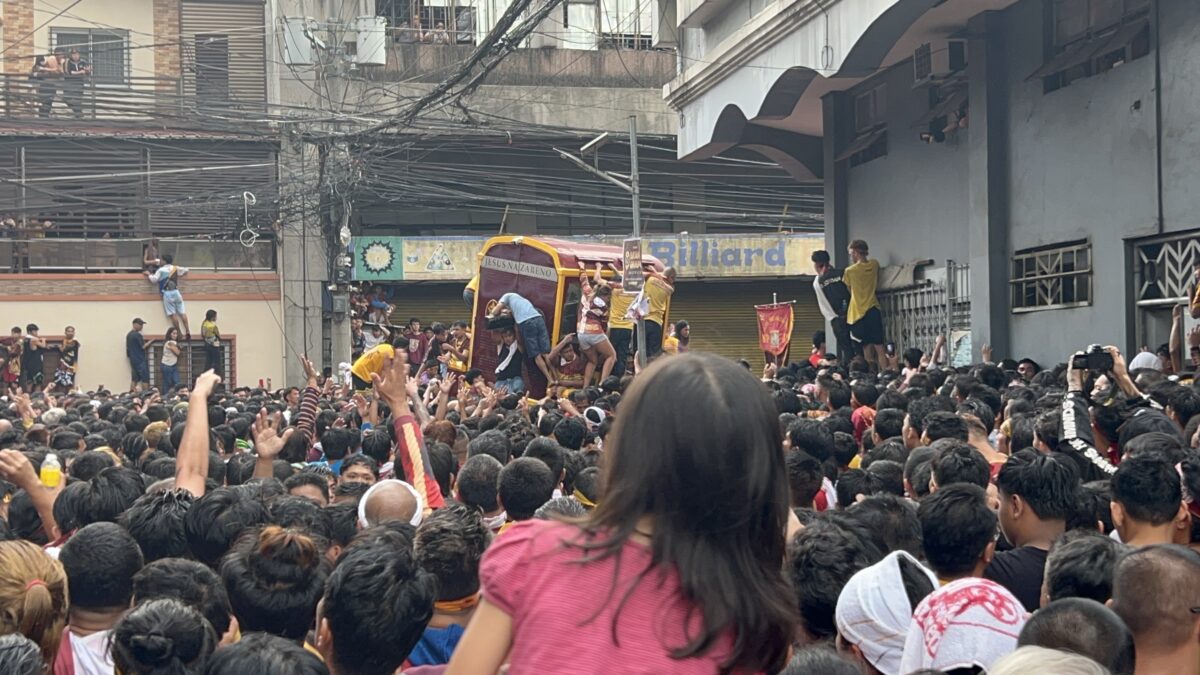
(378, 259)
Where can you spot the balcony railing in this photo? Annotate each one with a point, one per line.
(139, 99)
(125, 255)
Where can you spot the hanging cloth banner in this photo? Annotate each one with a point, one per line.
(774, 327)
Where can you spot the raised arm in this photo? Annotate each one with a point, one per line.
(191, 460)
(1175, 343)
(306, 419)
(554, 353)
(268, 443)
(1076, 424)
(391, 385)
(16, 468)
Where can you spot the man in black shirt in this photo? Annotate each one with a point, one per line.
(75, 73)
(31, 359)
(1037, 492)
(135, 350)
(833, 298)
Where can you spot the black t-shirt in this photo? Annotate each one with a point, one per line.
(836, 291)
(31, 358)
(513, 369)
(135, 346)
(1020, 571)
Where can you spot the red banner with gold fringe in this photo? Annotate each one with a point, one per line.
(775, 327)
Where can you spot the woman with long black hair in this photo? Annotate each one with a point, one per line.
(678, 569)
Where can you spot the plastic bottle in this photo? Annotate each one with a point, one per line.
(51, 472)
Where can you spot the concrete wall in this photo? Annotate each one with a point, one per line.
(1180, 21)
(594, 108)
(135, 16)
(911, 204)
(103, 317)
(541, 67)
(1082, 167)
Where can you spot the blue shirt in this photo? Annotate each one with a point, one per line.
(522, 309)
(436, 646)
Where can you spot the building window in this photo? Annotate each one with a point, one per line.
(106, 49)
(1052, 277)
(870, 109)
(212, 67)
(870, 127)
(192, 361)
(1093, 36)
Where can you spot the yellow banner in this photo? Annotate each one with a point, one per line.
(762, 255)
(440, 258)
(693, 256)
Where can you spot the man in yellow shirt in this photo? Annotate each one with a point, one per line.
(620, 329)
(863, 315)
(658, 290)
(372, 361)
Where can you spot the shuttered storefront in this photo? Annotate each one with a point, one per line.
(210, 201)
(224, 52)
(442, 303)
(722, 318)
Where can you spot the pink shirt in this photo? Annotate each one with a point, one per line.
(562, 611)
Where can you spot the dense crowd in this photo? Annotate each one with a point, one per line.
(826, 517)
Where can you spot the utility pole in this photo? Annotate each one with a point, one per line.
(637, 228)
(634, 190)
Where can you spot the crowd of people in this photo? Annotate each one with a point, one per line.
(826, 517)
(604, 342)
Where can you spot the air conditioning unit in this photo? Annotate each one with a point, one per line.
(933, 62)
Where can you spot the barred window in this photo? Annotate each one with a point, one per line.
(192, 361)
(1052, 277)
(107, 49)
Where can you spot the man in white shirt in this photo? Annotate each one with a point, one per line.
(100, 561)
(833, 298)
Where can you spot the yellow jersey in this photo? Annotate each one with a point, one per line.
(861, 278)
(620, 305)
(658, 293)
(372, 361)
(670, 345)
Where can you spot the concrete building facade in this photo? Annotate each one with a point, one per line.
(1032, 159)
(486, 163)
(162, 139)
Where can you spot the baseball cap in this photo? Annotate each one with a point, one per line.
(139, 321)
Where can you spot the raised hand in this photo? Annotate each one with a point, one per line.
(360, 402)
(16, 468)
(268, 443)
(205, 384)
(310, 372)
(391, 384)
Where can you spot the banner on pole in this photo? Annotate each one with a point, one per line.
(631, 265)
(775, 327)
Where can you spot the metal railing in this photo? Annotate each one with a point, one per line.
(137, 99)
(125, 255)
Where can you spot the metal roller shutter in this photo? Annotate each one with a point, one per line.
(721, 315)
(429, 303)
(224, 52)
(189, 203)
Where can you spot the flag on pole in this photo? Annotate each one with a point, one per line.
(775, 329)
